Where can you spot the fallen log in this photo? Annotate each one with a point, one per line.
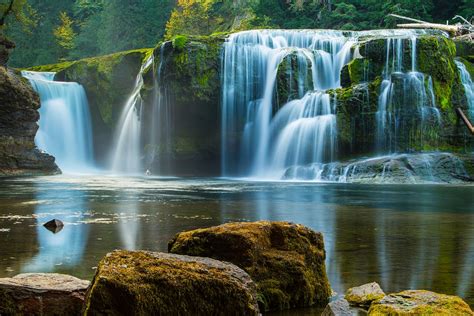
(454, 30)
(465, 120)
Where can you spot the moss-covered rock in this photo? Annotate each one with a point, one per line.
(285, 260)
(419, 302)
(151, 283)
(42, 294)
(364, 295)
(19, 106)
(294, 78)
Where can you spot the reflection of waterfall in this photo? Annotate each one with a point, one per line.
(66, 248)
(466, 80)
(251, 63)
(127, 151)
(129, 220)
(406, 105)
(65, 129)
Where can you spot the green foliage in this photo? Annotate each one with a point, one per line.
(179, 41)
(64, 33)
(98, 27)
(19, 10)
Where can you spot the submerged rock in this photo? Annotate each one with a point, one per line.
(365, 294)
(42, 294)
(153, 283)
(18, 115)
(340, 307)
(419, 302)
(286, 260)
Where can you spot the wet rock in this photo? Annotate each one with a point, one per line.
(18, 116)
(54, 225)
(364, 295)
(42, 294)
(419, 302)
(398, 168)
(338, 308)
(286, 260)
(153, 283)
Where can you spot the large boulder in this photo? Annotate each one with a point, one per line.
(42, 294)
(286, 260)
(365, 294)
(19, 106)
(419, 302)
(152, 283)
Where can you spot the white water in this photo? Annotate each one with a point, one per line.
(277, 138)
(65, 129)
(466, 80)
(127, 154)
(262, 139)
(406, 100)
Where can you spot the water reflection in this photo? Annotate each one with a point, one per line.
(400, 236)
(66, 248)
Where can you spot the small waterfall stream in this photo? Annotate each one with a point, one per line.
(468, 84)
(65, 129)
(127, 151)
(406, 100)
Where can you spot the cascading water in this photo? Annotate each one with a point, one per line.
(127, 153)
(406, 100)
(468, 84)
(277, 138)
(278, 118)
(65, 129)
(159, 145)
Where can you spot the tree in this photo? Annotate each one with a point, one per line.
(65, 34)
(19, 9)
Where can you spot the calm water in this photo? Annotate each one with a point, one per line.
(410, 236)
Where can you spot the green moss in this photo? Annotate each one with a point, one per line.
(144, 283)
(179, 41)
(285, 260)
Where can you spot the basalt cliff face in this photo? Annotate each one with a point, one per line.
(18, 125)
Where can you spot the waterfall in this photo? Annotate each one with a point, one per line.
(466, 81)
(160, 129)
(65, 129)
(406, 100)
(275, 137)
(127, 153)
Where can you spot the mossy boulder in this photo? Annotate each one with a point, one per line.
(19, 105)
(364, 295)
(420, 302)
(294, 78)
(152, 283)
(285, 260)
(42, 294)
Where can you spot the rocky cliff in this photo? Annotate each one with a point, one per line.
(18, 116)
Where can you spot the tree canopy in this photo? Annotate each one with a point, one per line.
(72, 29)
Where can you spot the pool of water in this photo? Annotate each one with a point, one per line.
(401, 236)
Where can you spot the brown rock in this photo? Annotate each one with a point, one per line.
(18, 116)
(153, 283)
(337, 308)
(42, 294)
(286, 260)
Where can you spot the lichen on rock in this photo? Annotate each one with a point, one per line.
(419, 302)
(152, 283)
(364, 295)
(285, 260)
